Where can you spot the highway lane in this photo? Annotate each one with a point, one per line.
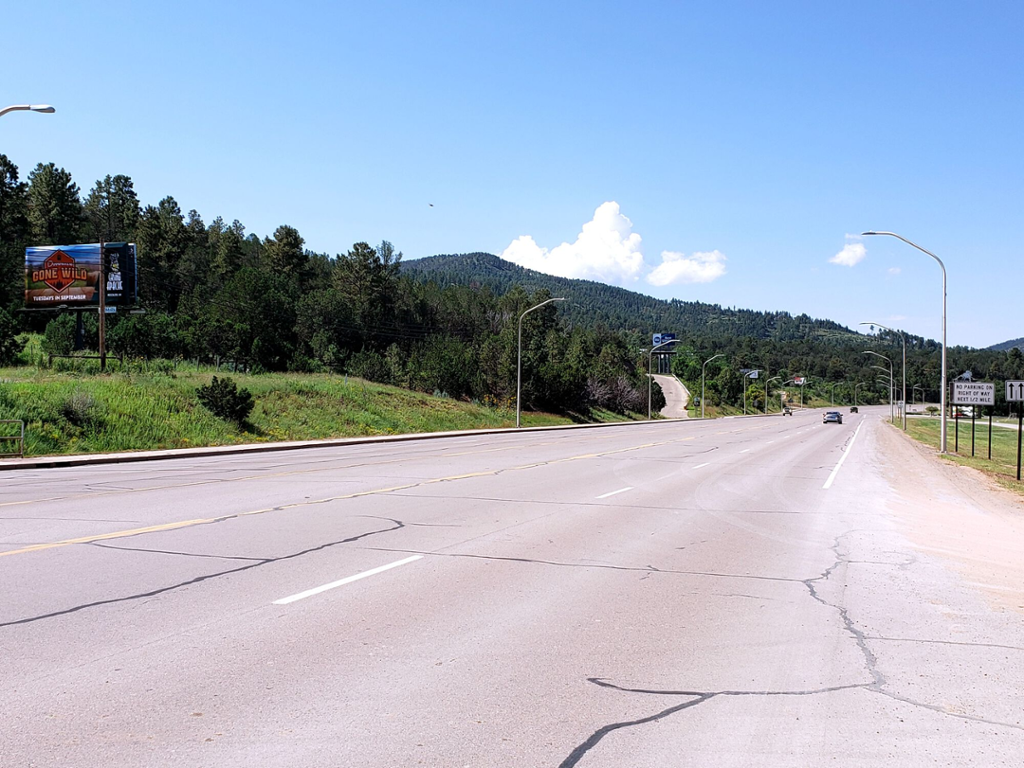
(684, 594)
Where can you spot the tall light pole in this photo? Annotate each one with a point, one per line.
(858, 384)
(914, 392)
(773, 378)
(833, 388)
(44, 108)
(519, 356)
(942, 390)
(904, 340)
(702, 383)
(650, 372)
(869, 352)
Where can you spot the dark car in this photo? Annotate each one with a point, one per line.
(833, 416)
(853, 409)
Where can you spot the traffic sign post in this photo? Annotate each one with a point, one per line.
(1015, 394)
(990, 434)
(974, 394)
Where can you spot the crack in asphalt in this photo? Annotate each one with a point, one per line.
(876, 685)
(174, 552)
(944, 642)
(870, 660)
(698, 697)
(606, 566)
(259, 563)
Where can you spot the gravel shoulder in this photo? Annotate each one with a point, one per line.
(959, 515)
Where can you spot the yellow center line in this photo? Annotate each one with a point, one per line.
(311, 502)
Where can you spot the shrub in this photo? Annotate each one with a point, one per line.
(224, 399)
(79, 409)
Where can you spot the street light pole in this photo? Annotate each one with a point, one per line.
(904, 340)
(702, 383)
(891, 379)
(519, 356)
(650, 372)
(914, 393)
(942, 391)
(44, 108)
(858, 384)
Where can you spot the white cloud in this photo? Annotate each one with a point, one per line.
(894, 270)
(850, 255)
(606, 250)
(676, 268)
(609, 251)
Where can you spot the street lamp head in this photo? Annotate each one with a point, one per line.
(45, 108)
(865, 234)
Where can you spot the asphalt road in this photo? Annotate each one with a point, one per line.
(677, 396)
(738, 592)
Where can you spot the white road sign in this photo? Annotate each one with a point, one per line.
(1015, 391)
(974, 393)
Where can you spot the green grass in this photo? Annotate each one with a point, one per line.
(74, 409)
(1002, 467)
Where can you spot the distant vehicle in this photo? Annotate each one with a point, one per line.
(835, 416)
(787, 411)
(853, 409)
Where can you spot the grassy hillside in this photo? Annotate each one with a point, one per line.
(79, 411)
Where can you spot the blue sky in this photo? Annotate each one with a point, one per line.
(735, 143)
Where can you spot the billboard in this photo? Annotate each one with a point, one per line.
(68, 275)
(662, 338)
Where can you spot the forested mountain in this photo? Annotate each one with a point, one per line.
(619, 308)
(1007, 345)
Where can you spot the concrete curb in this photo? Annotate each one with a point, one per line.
(78, 460)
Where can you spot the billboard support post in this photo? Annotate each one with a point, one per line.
(103, 308)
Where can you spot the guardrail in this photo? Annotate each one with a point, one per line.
(18, 440)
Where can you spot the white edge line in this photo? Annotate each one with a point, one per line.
(612, 493)
(347, 580)
(828, 483)
(744, 450)
(702, 465)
